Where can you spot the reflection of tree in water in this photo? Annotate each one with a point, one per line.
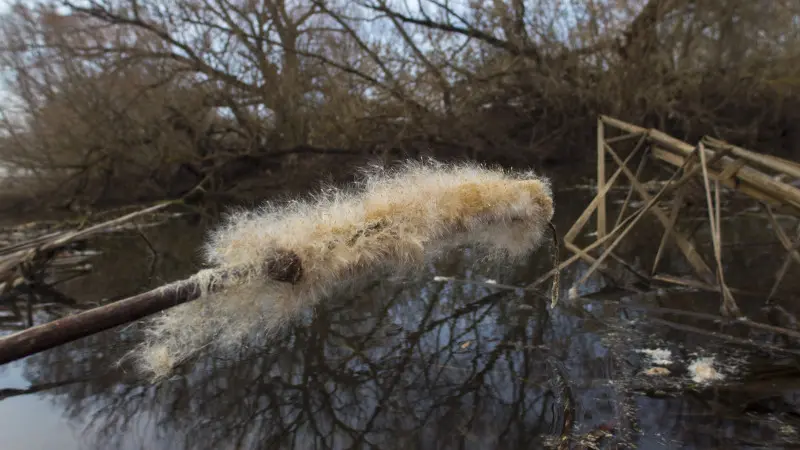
(426, 365)
(417, 364)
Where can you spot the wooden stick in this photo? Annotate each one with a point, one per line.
(782, 236)
(600, 241)
(677, 205)
(578, 225)
(18, 254)
(284, 267)
(623, 137)
(743, 187)
(775, 163)
(601, 179)
(780, 191)
(787, 261)
(684, 243)
(729, 307)
(638, 174)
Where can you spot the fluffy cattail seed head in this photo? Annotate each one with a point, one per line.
(392, 219)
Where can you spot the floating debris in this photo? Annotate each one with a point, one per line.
(572, 293)
(702, 371)
(657, 372)
(658, 356)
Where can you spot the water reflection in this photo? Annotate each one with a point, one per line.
(418, 363)
(414, 363)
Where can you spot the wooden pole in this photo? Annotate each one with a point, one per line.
(601, 180)
(285, 267)
(782, 192)
(775, 163)
(601, 194)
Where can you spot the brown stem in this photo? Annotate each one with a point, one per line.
(284, 267)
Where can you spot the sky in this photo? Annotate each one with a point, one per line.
(31, 422)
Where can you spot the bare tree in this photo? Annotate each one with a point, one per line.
(506, 80)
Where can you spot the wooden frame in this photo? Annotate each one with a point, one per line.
(716, 164)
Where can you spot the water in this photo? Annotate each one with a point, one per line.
(420, 363)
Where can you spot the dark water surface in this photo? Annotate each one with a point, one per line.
(429, 363)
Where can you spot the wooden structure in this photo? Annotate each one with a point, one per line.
(763, 178)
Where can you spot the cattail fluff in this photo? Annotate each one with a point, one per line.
(393, 220)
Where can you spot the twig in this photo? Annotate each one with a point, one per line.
(729, 306)
(556, 259)
(14, 259)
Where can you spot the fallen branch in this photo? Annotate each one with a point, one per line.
(13, 257)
